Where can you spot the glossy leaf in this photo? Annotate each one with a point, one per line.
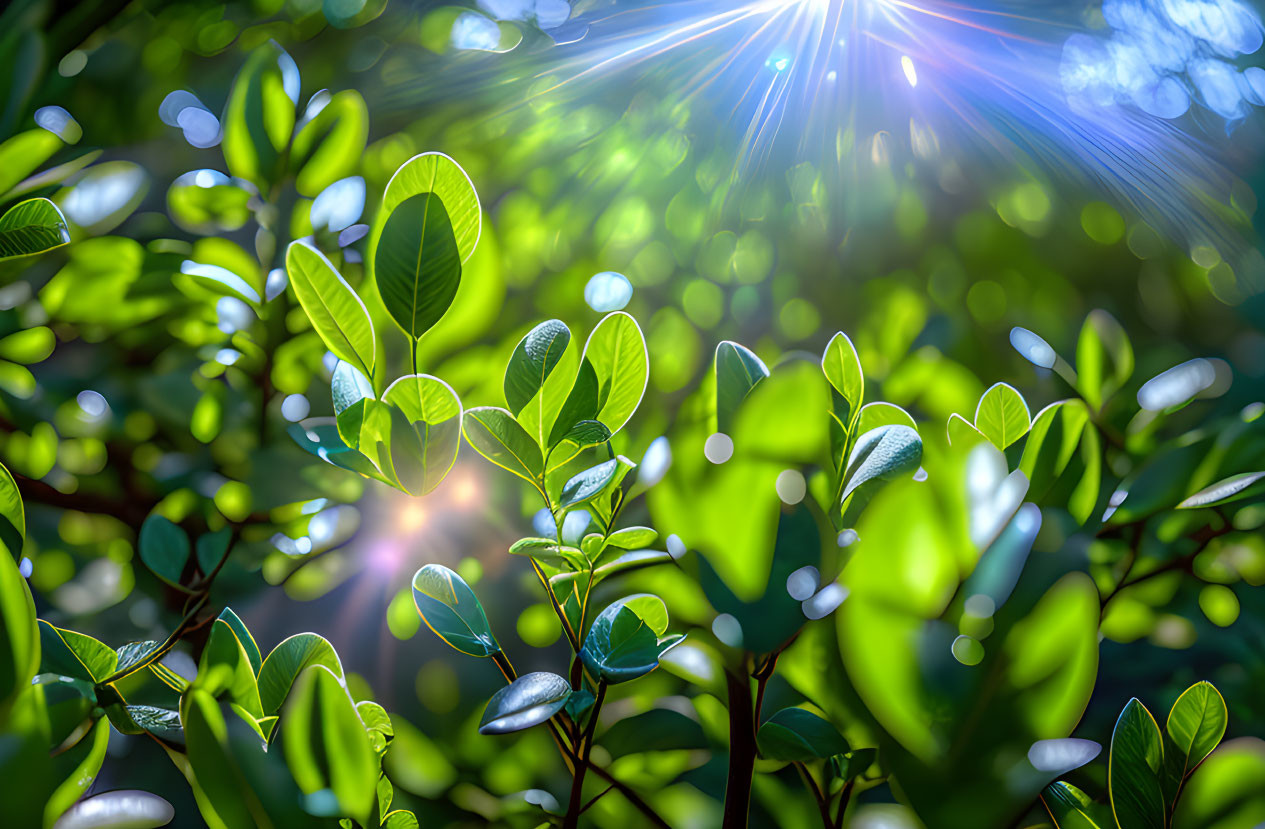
(796, 735)
(548, 551)
(1134, 768)
(632, 538)
(881, 454)
(74, 654)
(12, 515)
(534, 359)
(1063, 454)
(417, 264)
(1195, 726)
(1002, 415)
(842, 367)
(529, 700)
(31, 227)
(624, 642)
(335, 310)
(449, 608)
(659, 729)
(1235, 488)
(20, 635)
(588, 484)
(497, 436)
(225, 670)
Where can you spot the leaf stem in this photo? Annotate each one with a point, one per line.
(823, 807)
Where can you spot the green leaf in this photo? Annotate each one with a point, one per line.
(1195, 726)
(1002, 415)
(1073, 809)
(375, 718)
(12, 515)
(1235, 488)
(1133, 770)
(799, 736)
(874, 415)
(87, 758)
(842, 367)
(320, 437)
(852, 764)
(588, 484)
(548, 551)
(738, 370)
(1104, 358)
(579, 437)
(659, 729)
(31, 227)
(449, 607)
(386, 793)
(882, 454)
(330, 146)
(336, 312)
(962, 432)
(20, 635)
(624, 642)
(436, 173)
(287, 661)
(136, 655)
(164, 548)
(497, 436)
(161, 722)
(326, 746)
(425, 431)
(534, 359)
(75, 655)
(244, 637)
(632, 538)
(617, 351)
(259, 115)
(400, 819)
(417, 264)
(579, 406)
(634, 560)
(21, 154)
(225, 669)
(1051, 460)
(212, 548)
(529, 700)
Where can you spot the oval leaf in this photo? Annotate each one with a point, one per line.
(529, 700)
(416, 263)
(497, 436)
(425, 431)
(738, 370)
(533, 360)
(617, 352)
(449, 607)
(1002, 415)
(1133, 769)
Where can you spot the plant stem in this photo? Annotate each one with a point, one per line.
(742, 750)
(586, 745)
(844, 797)
(823, 808)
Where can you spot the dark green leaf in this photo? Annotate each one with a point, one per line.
(437, 173)
(624, 642)
(533, 360)
(212, 548)
(529, 700)
(659, 729)
(136, 655)
(417, 263)
(164, 548)
(797, 735)
(449, 607)
(1133, 769)
(581, 404)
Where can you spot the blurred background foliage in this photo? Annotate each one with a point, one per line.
(131, 382)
